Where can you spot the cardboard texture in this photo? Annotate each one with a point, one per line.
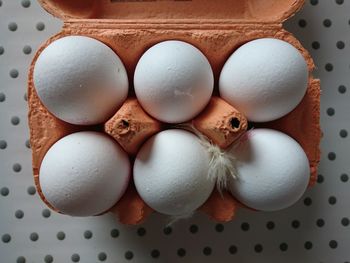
(217, 28)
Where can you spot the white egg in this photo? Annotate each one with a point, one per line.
(173, 81)
(264, 79)
(171, 173)
(80, 80)
(84, 174)
(273, 170)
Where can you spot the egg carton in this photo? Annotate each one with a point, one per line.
(217, 28)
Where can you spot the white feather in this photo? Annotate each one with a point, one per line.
(221, 165)
(174, 219)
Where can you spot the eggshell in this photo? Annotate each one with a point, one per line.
(173, 81)
(272, 168)
(80, 80)
(171, 173)
(264, 79)
(84, 174)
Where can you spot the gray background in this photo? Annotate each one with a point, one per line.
(314, 230)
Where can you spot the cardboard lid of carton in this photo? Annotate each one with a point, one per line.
(267, 11)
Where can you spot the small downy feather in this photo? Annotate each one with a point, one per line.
(174, 219)
(221, 165)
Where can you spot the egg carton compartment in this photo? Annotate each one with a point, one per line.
(129, 31)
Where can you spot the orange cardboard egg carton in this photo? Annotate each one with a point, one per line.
(217, 28)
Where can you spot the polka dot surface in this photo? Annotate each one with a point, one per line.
(27, 49)
(155, 253)
(75, 258)
(48, 259)
(21, 259)
(314, 230)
